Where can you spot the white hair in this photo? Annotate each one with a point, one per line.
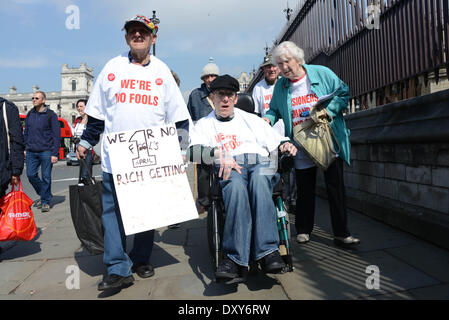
(288, 49)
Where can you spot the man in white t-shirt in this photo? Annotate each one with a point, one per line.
(263, 91)
(241, 143)
(134, 90)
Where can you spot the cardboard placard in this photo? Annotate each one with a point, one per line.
(150, 178)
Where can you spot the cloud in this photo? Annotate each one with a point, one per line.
(31, 62)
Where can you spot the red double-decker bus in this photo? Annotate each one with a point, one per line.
(66, 135)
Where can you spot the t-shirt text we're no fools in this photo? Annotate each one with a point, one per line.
(128, 97)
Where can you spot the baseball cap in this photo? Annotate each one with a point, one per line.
(150, 23)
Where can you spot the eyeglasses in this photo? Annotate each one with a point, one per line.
(34, 98)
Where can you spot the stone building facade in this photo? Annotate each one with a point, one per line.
(76, 83)
(244, 80)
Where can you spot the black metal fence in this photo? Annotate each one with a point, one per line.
(375, 46)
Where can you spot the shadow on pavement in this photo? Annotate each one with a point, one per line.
(57, 200)
(22, 248)
(90, 264)
(192, 235)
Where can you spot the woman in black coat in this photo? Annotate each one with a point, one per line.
(12, 161)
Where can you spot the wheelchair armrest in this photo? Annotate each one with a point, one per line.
(286, 162)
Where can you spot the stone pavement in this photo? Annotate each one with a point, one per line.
(409, 268)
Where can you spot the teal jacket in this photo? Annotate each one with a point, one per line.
(323, 81)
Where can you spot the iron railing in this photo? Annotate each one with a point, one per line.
(375, 46)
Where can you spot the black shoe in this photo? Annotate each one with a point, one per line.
(272, 263)
(227, 269)
(114, 281)
(143, 270)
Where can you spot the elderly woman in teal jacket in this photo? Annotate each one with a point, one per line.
(294, 94)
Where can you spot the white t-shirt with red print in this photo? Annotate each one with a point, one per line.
(302, 101)
(262, 94)
(129, 97)
(245, 133)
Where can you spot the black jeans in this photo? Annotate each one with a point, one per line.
(305, 203)
(3, 189)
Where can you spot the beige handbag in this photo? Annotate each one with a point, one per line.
(314, 136)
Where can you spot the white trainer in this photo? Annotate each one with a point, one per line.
(348, 241)
(302, 238)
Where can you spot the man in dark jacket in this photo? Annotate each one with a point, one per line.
(42, 138)
(11, 162)
(199, 106)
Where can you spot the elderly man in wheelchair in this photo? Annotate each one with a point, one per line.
(239, 144)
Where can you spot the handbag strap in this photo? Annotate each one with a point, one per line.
(89, 173)
(5, 118)
(210, 102)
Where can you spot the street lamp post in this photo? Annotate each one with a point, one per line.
(154, 45)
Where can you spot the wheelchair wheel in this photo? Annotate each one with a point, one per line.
(215, 226)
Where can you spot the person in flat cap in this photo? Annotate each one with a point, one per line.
(239, 145)
(111, 109)
(199, 106)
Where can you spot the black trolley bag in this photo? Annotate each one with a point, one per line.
(86, 209)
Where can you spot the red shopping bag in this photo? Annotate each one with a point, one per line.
(17, 220)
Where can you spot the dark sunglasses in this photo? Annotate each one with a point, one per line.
(34, 98)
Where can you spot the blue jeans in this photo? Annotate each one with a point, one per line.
(42, 187)
(115, 257)
(250, 212)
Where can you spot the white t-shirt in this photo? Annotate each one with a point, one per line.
(245, 133)
(128, 97)
(262, 94)
(302, 100)
(79, 129)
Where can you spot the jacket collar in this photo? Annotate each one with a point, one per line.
(204, 92)
(311, 75)
(43, 111)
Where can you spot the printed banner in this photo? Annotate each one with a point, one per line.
(150, 178)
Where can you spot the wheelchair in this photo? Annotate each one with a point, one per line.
(216, 212)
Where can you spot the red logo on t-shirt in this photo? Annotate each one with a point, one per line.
(111, 77)
(159, 81)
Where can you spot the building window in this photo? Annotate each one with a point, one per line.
(73, 85)
(25, 108)
(59, 106)
(73, 105)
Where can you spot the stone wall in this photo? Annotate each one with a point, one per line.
(399, 171)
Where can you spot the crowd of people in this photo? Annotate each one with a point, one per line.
(246, 177)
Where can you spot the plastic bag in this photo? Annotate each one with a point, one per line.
(17, 219)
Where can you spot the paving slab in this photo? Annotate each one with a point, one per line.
(425, 257)
(409, 267)
(344, 276)
(13, 274)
